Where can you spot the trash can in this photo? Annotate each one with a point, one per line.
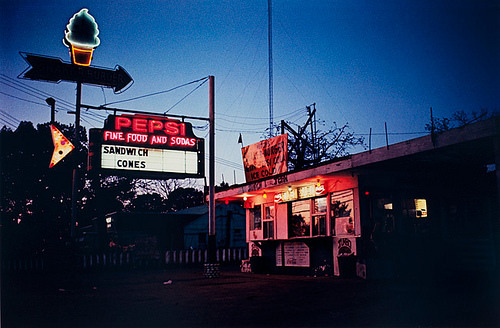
(347, 266)
(259, 264)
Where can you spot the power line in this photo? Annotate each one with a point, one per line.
(390, 133)
(185, 96)
(6, 123)
(19, 98)
(35, 90)
(261, 118)
(85, 120)
(19, 89)
(240, 95)
(12, 117)
(257, 30)
(100, 116)
(307, 62)
(9, 120)
(245, 123)
(155, 93)
(240, 130)
(226, 162)
(90, 116)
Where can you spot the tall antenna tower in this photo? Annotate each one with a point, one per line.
(270, 39)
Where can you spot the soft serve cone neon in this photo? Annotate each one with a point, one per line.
(81, 37)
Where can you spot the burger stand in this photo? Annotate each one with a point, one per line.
(296, 221)
(379, 212)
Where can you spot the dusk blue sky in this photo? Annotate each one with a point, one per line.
(362, 62)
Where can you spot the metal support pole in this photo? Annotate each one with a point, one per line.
(211, 268)
(433, 135)
(74, 193)
(211, 178)
(370, 141)
(386, 136)
(270, 43)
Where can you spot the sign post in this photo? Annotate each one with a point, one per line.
(81, 37)
(74, 186)
(211, 268)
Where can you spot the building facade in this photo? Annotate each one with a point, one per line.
(422, 207)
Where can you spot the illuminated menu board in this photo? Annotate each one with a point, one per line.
(146, 147)
(295, 253)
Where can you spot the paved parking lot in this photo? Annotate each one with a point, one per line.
(185, 298)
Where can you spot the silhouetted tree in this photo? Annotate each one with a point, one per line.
(223, 186)
(182, 198)
(328, 143)
(106, 194)
(35, 205)
(148, 202)
(458, 119)
(36, 200)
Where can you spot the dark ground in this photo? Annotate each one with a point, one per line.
(184, 298)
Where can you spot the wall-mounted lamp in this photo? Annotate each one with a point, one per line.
(317, 183)
(245, 198)
(289, 188)
(52, 103)
(264, 195)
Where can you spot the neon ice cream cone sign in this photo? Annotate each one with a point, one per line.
(81, 37)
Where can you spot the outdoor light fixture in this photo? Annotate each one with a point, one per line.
(317, 183)
(50, 101)
(245, 198)
(289, 188)
(264, 195)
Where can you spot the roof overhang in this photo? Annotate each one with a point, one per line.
(329, 172)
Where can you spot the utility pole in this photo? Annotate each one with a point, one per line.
(270, 41)
(211, 268)
(386, 136)
(313, 131)
(301, 143)
(74, 192)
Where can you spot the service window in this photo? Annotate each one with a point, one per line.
(268, 221)
(416, 210)
(342, 213)
(420, 208)
(319, 216)
(255, 217)
(299, 218)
